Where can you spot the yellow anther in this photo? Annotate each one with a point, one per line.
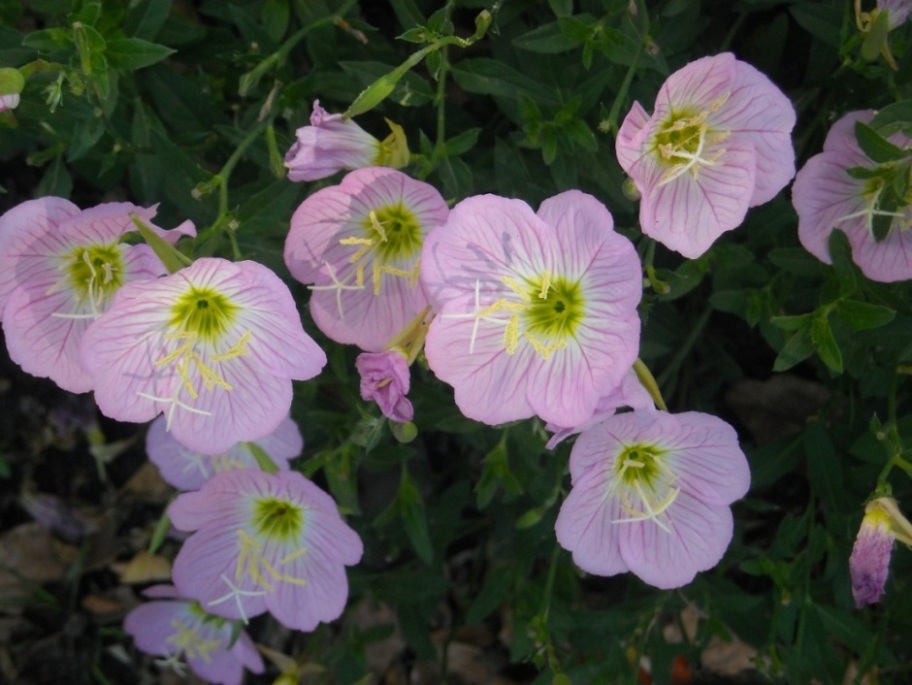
(511, 334)
(376, 276)
(223, 462)
(546, 284)
(519, 288)
(188, 642)
(239, 349)
(376, 225)
(252, 563)
(545, 350)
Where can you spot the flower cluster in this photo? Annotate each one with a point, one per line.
(718, 142)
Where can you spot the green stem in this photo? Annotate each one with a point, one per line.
(615, 111)
(686, 347)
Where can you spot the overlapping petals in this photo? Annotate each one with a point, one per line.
(178, 630)
(826, 197)
(264, 542)
(385, 380)
(651, 495)
(214, 347)
(188, 470)
(536, 313)
(718, 143)
(59, 269)
(358, 246)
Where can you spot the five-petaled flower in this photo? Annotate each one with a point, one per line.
(59, 269)
(264, 542)
(718, 143)
(358, 245)
(178, 630)
(214, 346)
(535, 313)
(651, 495)
(827, 198)
(332, 143)
(186, 469)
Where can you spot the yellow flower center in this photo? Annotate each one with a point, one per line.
(645, 484)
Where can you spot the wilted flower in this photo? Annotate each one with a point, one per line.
(718, 142)
(536, 313)
(264, 542)
(651, 495)
(359, 244)
(827, 197)
(214, 346)
(869, 564)
(188, 470)
(385, 380)
(178, 629)
(59, 269)
(332, 143)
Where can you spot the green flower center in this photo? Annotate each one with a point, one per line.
(557, 314)
(395, 232)
(645, 484)
(96, 273)
(203, 313)
(277, 519)
(681, 137)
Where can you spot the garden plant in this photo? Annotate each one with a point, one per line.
(455, 341)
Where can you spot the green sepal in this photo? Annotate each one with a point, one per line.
(173, 259)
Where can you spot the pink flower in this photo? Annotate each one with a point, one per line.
(214, 346)
(869, 564)
(176, 628)
(827, 198)
(359, 244)
(385, 380)
(718, 143)
(536, 313)
(59, 269)
(330, 144)
(264, 542)
(897, 11)
(651, 495)
(10, 101)
(630, 393)
(188, 470)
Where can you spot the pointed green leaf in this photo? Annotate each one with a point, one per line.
(876, 146)
(864, 315)
(825, 343)
(135, 53)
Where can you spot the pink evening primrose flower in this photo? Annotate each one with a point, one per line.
(869, 564)
(358, 244)
(718, 142)
(897, 11)
(651, 494)
(9, 101)
(328, 145)
(536, 313)
(827, 198)
(188, 470)
(264, 542)
(214, 346)
(59, 269)
(178, 630)
(385, 380)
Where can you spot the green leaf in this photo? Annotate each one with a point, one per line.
(263, 460)
(792, 323)
(561, 8)
(380, 89)
(170, 256)
(876, 146)
(825, 343)
(135, 53)
(145, 19)
(875, 39)
(824, 467)
(863, 315)
(491, 77)
(546, 40)
(893, 118)
(414, 518)
(48, 40)
(463, 142)
(796, 349)
(492, 594)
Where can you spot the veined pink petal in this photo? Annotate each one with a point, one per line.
(689, 213)
(698, 537)
(633, 132)
(697, 86)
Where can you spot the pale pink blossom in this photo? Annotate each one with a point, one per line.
(179, 631)
(718, 142)
(869, 564)
(186, 469)
(328, 145)
(214, 347)
(264, 542)
(358, 246)
(536, 314)
(59, 269)
(827, 198)
(651, 495)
